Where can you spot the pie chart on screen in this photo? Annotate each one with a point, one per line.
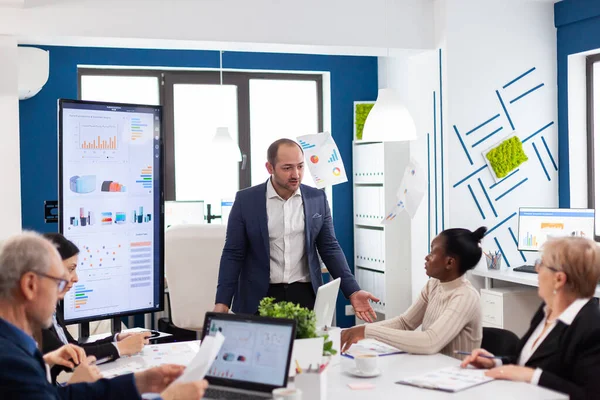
(337, 171)
(314, 159)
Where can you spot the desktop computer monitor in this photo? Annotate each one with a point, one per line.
(537, 225)
(110, 206)
(183, 213)
(226, 205)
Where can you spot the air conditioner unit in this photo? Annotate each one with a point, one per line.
(34, 68)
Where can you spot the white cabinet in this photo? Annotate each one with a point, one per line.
(509, 308)
(381, 252)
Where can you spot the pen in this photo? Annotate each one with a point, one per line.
(467, 353)
(298, 369)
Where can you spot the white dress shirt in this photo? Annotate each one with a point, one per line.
(285, 219)
(566, 317)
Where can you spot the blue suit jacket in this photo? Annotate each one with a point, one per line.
(23, 375)
(245, 264)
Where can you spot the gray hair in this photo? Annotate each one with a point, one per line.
(22, 253)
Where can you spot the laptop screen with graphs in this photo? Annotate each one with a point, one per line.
(537, 225)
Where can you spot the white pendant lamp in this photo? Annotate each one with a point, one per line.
(222, 143)
(225, 147)
(389, 120)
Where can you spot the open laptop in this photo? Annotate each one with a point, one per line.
(325, 302)
(255, 357)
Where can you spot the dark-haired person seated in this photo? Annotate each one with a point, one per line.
(448, 308)
(31, 277)
(561, 349)
(57, 335)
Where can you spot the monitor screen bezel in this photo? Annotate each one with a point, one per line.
(544, 208)
(245, 385)
(160, 211)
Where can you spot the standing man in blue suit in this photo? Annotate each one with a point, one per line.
(273, 234)
(31, 277)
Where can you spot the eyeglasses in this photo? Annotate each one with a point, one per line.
(61, 283)
(538, 264)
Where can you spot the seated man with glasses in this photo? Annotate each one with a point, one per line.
(31, 278)
(561, 349)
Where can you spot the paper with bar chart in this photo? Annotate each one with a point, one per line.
(323, 159)
(537, 225)
(110, 166)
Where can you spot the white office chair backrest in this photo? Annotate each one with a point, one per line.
(192, 257)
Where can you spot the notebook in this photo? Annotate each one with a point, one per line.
(451, 379)
(370, 346)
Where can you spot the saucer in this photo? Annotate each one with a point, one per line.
(356, 372)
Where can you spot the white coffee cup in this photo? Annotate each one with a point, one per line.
(366, 363)
(287, 394)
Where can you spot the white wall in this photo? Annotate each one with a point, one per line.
(353, 25)
(489, 44)
(10, 190)
(479, 56)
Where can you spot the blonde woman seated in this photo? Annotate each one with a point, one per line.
(448, 308)
(561, 349)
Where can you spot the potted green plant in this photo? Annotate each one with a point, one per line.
(305, 320)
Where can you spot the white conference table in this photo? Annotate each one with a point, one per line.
(393, 369)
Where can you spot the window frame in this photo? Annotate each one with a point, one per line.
(168, 78)
(591, 174)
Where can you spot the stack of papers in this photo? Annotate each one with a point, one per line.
(371, 346)
(452, 379)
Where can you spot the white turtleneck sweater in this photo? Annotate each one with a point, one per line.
(450, 315)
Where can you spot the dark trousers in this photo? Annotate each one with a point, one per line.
(298, 292)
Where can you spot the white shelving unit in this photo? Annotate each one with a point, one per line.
(381, 252)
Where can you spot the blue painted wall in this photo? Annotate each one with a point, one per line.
(352, 79)
(578, 30)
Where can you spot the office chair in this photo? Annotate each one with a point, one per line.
(192, 257)
(500, 342)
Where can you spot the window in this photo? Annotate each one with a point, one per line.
(257, 108)
(593, 135)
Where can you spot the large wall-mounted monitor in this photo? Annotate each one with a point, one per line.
(537, 225)
(110, 204)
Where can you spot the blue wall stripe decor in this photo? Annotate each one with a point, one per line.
(442, 140)
(476, 201)
(511, 189)
(502, 252)
(487, 137)
(505, 110)
(463, 145)
(470, 175)
(538, 131)
(512, 234)
(487, 197)
(500, 223)
(483, 124)
(351, 78)
(541, 161)
(505, 178)
(526, 93)
(518, 77)
(549, 154)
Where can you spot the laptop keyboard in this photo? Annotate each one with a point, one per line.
(218, 394)
(526, 268)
